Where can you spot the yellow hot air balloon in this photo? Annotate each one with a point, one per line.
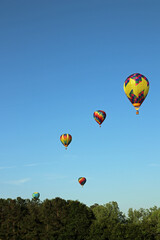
(136, 87)
(66, 139)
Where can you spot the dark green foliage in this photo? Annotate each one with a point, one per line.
(54, 219)
(79, 220)
(58, 219)
(109, 224)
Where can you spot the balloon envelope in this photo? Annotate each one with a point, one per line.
(99, 116)
(136, 88)
(82, 180)
(66, 139)
(36, 195)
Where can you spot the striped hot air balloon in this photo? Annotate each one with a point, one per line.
(66, 139)
(82, 180)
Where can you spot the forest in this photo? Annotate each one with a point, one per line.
(59, 219)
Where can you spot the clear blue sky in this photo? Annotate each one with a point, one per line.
(59, 62)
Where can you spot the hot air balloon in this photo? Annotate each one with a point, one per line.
(66, 139)
(136, 87)
(99, 116)
(82, 180)
(36, 195)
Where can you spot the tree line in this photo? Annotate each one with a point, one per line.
(58, 219)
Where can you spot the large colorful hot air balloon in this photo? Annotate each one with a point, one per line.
(66, 139)
(82, 180)
(36, 195)
(136, 87)
(99, 116)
